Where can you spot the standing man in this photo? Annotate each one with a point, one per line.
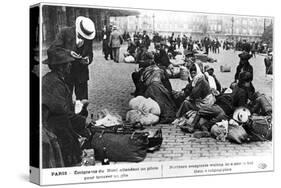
(78, 41)
(107, 49)
(115, 42)
(145, 39)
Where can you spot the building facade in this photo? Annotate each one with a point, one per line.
(196, 25)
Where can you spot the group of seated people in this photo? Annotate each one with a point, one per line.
(203, 92)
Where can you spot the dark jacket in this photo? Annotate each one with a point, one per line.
(60, 117)
(66, 39)
(201, 89)
(225, 102)
(162, 58)
(146, 41)
(241, 95)
(244, 65)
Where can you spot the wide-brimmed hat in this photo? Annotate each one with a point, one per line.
(241, 114)
(85, 27)
(58, 56)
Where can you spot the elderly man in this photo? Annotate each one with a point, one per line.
(115, 42)
(78, 41)
(60, 124)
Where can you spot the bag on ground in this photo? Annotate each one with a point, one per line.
(237, 134)
(129, 59)
(259, 128)
(119, 146)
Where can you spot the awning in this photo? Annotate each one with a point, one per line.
(115, 12)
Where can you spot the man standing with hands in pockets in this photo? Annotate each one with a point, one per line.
(78, 41)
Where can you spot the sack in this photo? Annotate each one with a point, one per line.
(219, 130)
(259, 128)
(225, 68)
(115, 144)
(129, 59)
(145, 105)
(185, 123)
(237, 133)
(136, 116)
(263, 105)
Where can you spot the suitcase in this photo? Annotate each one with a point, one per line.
(225, 68)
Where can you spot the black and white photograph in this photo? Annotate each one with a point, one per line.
(123, 86)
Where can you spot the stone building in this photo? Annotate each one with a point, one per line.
(57, 17)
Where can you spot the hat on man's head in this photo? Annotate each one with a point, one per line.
(58, 56)
(114, 27)
(85, 27)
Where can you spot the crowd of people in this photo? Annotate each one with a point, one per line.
(71, 53)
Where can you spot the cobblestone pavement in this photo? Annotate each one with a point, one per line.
(110, 86)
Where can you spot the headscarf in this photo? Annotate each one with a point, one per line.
(199, 75)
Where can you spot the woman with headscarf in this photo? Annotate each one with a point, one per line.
(198, 92)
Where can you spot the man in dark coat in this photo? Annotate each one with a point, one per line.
(107, 49)
(78, 41)
(58, 115)
(145, 39)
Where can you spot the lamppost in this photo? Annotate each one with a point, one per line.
(232, 26)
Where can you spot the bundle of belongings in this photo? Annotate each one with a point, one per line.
(243, 127)
(144, 111)
(114, 140)
(129, 58)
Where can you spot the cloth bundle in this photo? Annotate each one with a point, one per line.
(129, 59)
(220, 130)
(230, 130)
(107, 119)
(144, 111)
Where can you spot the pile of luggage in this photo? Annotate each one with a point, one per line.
(242, 127)
(114, 140)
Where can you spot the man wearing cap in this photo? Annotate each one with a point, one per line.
(145, 39)
(115, 42)
(77, 40)
(58, 117)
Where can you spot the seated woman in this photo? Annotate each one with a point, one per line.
(145, 61)
(152, 77)
(58, 115)
(199, 92)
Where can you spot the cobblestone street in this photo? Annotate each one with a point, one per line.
(110, 86)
